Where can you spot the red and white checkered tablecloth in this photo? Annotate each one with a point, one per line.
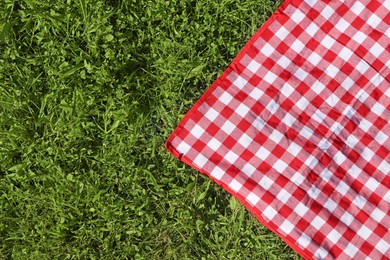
(297, 128)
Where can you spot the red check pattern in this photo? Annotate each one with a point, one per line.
(297, 128)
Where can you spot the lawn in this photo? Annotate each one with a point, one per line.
(89, 92)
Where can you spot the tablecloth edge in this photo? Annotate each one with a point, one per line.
(179, 127)
(226, 72)
(249, 207)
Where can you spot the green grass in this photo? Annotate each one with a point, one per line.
(89, 92)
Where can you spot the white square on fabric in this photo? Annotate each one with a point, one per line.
(280, 166)
(214, 144)
(314, 192)
(378, 109)
(332, 71)
(301, 209)
(211, 114)
(297, 16)
(374, 21)
(197, 131)
(345, 53)
(311, 2)
(342, 25)
(314, 58)
(318, 87)
(372, 184)
(319, 117)
(367, 154)
(259, 123)
(297, 46)
(381, 137)
(339, 158)
(282, 33)
(352, 141)
(328, 41)
(272, 107)
(347, 83)
(306, 132)
(242, 110)
(288, 119)
(276, 136)
(384, 167)
(253, 66)
(228, 127)
(364, 232)
(347, 218)
(359, 37)
(302, 103)
(342, 188)
(317, 222)
(351, 250)
(235, 185)
(267, 50)
(217, 173)
(377, 214)
(304, 240)
(262, 153)
(298, 178)
(326, 175)
(324, 144)
(256, 94)
(270, 77)
(349, 112)
(321, 253)
(248, 169)
(357, 8)
(330, 205)
(240, 82)
(269, 212)
(283, 196)
(311, 161)
(365, 125)
(386, 4)
(294, 149)
(287, 90)
(200, 160)
(286, 227)
(225, 98)
(327, 12)
(312, 29)
(362, 66)
(284, 62)
(354, 171)
(336, 128)
(245, 140)
(382, 246)
(253, 198)
(266, 182)
(377, 80)
(334, 236)
(231, 156)
(183, 147)
(359, 201)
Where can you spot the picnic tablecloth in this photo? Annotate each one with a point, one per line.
(297, 128)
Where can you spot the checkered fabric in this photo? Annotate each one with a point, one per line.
(297, 128)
